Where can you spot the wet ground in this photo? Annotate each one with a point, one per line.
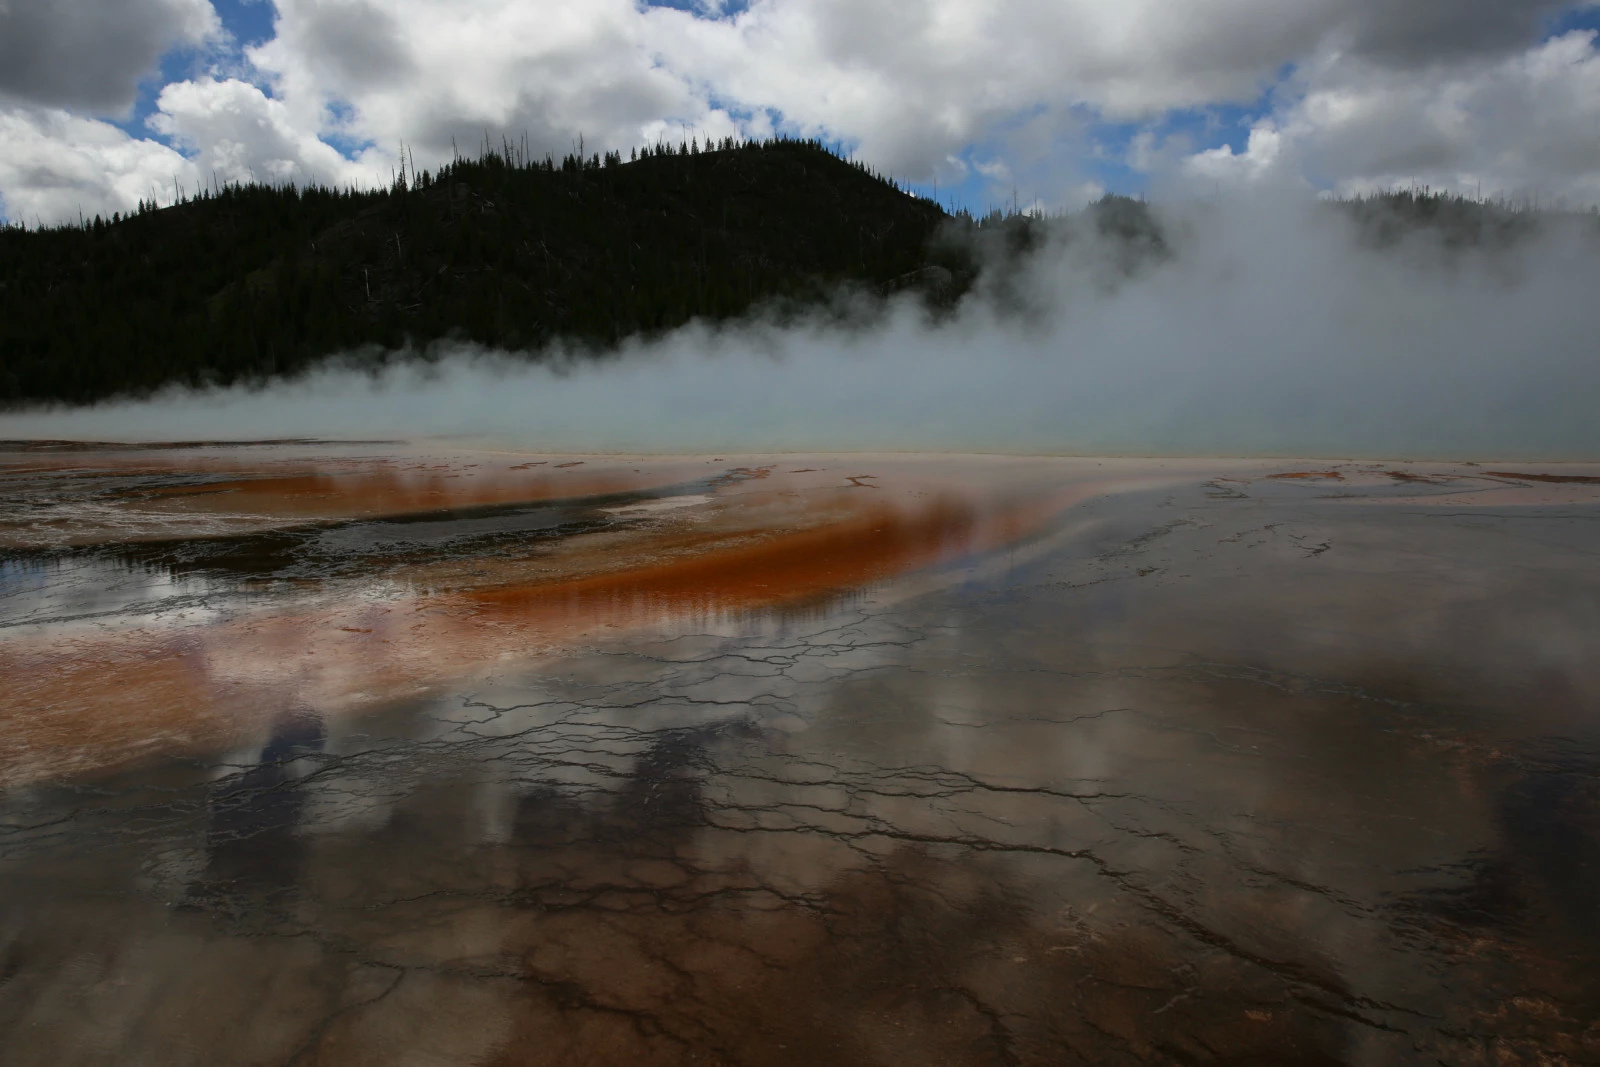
(377, 754)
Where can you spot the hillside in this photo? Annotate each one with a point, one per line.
(246, 283)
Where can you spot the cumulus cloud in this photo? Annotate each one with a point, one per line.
(914, 80)
(1423, 32)
(1439, 90)
(237, 133)
(55, 165)
(910, 81)
(433, 72)
(91, 54)
(1519, 126)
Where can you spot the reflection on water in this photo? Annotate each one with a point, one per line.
(255, 814)
(134, 495)
(202, 639)
(987, 765)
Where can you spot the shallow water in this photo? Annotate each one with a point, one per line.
(378, 754)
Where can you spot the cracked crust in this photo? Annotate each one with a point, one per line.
(1167, 776)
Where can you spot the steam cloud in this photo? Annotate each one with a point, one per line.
(1270, 331)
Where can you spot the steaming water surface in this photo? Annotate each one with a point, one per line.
(1272, 329)
(374, 754)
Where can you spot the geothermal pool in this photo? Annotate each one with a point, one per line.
(385, 753)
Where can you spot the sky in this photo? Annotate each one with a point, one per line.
(1048, 102)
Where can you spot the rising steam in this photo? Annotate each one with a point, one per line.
(1271, 329)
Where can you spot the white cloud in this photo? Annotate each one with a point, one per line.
(1259, 159)
(427, 71)
(1441, 90)
(239, 134)
(1520, 126)
(55, 165)
(911, 81)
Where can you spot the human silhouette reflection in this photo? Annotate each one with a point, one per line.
(251, 842)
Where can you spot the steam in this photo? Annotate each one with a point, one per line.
(1271, 330)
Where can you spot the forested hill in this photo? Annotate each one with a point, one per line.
(246, 283)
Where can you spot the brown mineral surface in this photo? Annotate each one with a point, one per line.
(372, 753)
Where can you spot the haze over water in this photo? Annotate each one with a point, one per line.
(1271, 331)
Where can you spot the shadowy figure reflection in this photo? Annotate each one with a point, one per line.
(665, 792)
(251, 842)
(658, 807)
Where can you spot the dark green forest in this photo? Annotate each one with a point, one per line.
(243, 283)
(248, 283)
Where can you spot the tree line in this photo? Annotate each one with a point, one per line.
(245, 283)
(250, 282)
